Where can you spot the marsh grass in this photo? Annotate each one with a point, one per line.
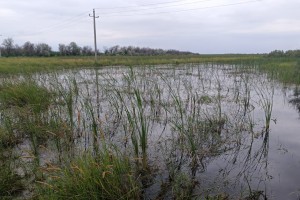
(11, 183)
(7, 137)
(95, 127)
(25, 94)
(130, 104)
(94, 110)
(23, 105)
(286, 70)
(109, 175)
(182, 186)
(33, 64)
(266, 96)
(143, 130)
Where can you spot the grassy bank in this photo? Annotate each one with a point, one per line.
(36, 64)
(285, 69)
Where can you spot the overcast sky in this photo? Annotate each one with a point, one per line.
(203, 26)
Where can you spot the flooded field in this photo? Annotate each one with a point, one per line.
(164, 132)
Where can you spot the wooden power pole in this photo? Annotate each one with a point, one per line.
(0, 47)
(95, 38)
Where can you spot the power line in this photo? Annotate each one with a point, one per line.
(66, 21)
(145, 5)
(158, 7)
(61, 25)
(183, 10)
(77, 18)
(64, 24)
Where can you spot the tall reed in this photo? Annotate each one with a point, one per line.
(266, 96)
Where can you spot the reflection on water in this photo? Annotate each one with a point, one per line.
(295, 100)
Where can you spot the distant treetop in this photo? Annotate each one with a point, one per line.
(8, 49)
(289, 53)
(144, 51)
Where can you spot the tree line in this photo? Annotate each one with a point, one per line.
(144, 51)
(280, 53)
(27, 49)
(9, 48)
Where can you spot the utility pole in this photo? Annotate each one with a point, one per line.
(0, 47)
(95, 38)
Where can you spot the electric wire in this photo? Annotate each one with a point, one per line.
(71, 24)
(151, 4)
(67, 23)
(155, 5)
(158, 7)
(183, 10)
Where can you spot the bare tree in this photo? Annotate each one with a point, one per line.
(28, 49)
(114, 50)
(8, 45)
(87, 51)
(74, 49)
(62, 49)
(43, 49)
(17, 50)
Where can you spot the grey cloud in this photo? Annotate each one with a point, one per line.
(246, 28)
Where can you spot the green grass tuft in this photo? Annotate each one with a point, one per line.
(11, 183)
(26, 94)
(108, 176)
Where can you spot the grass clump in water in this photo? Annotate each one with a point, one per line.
(7, 139)
(106, 176)
(24, 107)
(26, 94)
(182, 186)
(10, 182)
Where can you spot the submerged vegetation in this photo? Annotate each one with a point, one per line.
(148, 132)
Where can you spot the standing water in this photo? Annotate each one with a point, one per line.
(194, 131)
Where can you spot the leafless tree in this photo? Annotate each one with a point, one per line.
(28, 49)
(43, 49)
(8, 45)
